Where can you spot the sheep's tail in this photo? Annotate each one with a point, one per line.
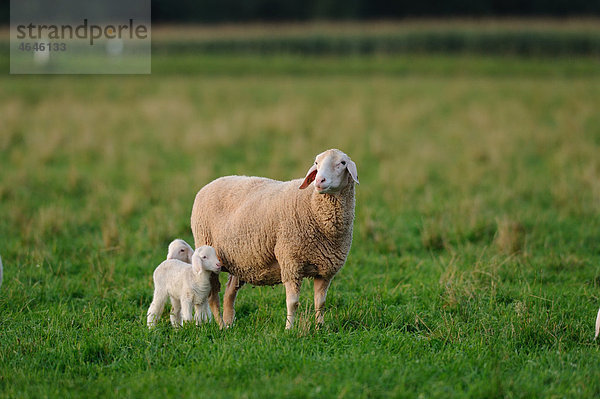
(597, 324)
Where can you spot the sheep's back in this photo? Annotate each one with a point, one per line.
(241, 216)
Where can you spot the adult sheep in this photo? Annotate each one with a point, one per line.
(269, 232)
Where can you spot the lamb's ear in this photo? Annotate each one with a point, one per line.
(310, 176)
(351, 166)
(196, 264)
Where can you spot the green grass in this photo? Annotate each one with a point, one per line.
(475, 267)
(383, 65)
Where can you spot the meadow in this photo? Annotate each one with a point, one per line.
(475, 266)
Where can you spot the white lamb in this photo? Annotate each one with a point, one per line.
(187, 285)
(179, 249)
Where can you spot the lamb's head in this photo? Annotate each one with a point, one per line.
(332, 171)
(179, 249)
(205, 258)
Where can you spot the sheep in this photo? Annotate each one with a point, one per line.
(269, 232)
(187, 285)
(179, 249)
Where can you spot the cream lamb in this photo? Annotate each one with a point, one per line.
(270, 232)
(187, 285)
(179, 249)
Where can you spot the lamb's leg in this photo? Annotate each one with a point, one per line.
(206, 311)
(292, 293)
(213, 298)
(175, 312)
(186, 310)
(321, 286)
(156, 307)
(231, 290)
(197, 314)
(202, 313)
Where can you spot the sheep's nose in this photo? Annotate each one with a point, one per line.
(321, 180)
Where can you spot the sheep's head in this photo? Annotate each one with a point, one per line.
(179, 249)
(332, 171)
(205, 258)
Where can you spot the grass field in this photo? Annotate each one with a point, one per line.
(475, 267)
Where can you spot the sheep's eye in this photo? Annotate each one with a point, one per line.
(182, 250)
(343, 162)
(204, 257)
(316, 163)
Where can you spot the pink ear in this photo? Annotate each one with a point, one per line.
(310, 177)
(351, 166)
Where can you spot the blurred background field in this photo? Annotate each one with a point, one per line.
(475, 267)
(389, 47)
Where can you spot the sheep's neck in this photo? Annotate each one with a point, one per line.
(334, 212)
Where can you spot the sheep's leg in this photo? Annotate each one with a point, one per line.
(186, 310)
(175, 312)
(213, 298)
(231, 290)
(292, 293)
(321, 286)
(156, 307)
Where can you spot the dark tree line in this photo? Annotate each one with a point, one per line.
(207, 11)
(301, 10)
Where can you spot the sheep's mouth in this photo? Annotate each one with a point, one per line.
(322, 189)
(325, 190)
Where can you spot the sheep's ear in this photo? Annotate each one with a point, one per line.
(310, 176)
(351, 166)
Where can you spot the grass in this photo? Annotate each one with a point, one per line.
(359, 66)
(441, 65)
(474, 271)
